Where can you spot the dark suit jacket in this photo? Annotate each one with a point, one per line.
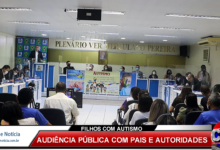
(196, 84)
(32, 55)
(64, 69)
(12, 76)
(2, 76)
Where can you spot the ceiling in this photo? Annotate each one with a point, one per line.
(140, 16)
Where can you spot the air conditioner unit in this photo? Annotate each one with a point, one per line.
(209, 41)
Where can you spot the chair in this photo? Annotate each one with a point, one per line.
(166, 119)
(128, 103)
(4, 97)
(1, 104)
(131, 114)
(191, 117)
(177, 108)
(119, 118)
(141, 121)
(54, 116)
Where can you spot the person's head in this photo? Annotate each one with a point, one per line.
(169, 72)
(25, 96)
(122, 69)
(158, 108)
(134, 92)
(154, 72)
(203, 68)
(190, 77)
(191, 101)
(214, 101)
(137, 68)
(126, 79)
(187, 74)
(61, 87)
(144, 104)
(142, 94)
(15, 70)
(106, 67)
(5, 69)
(11, 112)
(68, 63)
(205, 90)
(26, 69)
(185, 91)
(91, 66)
(37, 48)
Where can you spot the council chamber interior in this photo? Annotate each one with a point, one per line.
(110, 62)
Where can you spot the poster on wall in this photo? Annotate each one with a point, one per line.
(25, 45)
(75, 80)
(103, 58)
(102, 82)
(128, 80)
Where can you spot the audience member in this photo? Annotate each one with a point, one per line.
(133, 96)
(178, 79)
(204, 77)
(166, 119)
(206, 93)
(157, 108)
(141, 94)
(211, 116)
(144, 105)
(194, 83)
(180, 99)
(61, 101)
(191, 105)
(4, 72)
(105, 68)
(25, 97)
(153, 75)
(122, 69)
(12, 115)
(14, 73)
(139, 73)
(169, 75)
(68, 66)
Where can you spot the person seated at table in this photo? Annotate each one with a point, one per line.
(139, 73)
(122, 69)
(206, 93)
(169, 75)
(141, 94)
(153, 75)
(105, 68)
(25, 97)
(61, 101)
(14, 73)
(157, 108)
(125, 84)
(24, 71)
(179, 79)
(4, 72)
(133, 96)
(212, 116)
(185, 81)
(180, 99)
(144, 105)
(194, 83)
(12, 115)
(68, 66)
(91, 67)
(191, 105)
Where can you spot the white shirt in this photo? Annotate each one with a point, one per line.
(130, 108)
(138, 115)
(27, 121)
(61, 101)
(36, 56)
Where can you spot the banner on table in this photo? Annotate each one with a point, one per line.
(127, 81)
(102, 82)
(75, 80)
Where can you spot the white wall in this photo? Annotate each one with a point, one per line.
(146, 70)
(193, 64)
(7, 50)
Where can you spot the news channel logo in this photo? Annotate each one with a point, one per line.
(215, 136)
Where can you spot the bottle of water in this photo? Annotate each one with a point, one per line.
(3, 81)
(22, 78)
(35, 76)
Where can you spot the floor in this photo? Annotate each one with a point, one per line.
(96, 112)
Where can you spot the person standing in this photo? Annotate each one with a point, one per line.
(204, 77)
(154, 75)
(68, 66)
(139, 73)
(4, 72)
(37, 54)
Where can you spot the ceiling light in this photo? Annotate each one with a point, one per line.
(168, 36)
(97, 40)
(169, 28)
(68, 38)
(26, 22)
(141, 41)
(44, 34)
(165, 40)
(103, 25)
(15, 9)
(123, 38)
(48, 30)
(194, 16)
(83, 36)
(103, 12)
(103, 33)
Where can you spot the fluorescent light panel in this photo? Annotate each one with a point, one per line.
(26, 22)
(165, 40)
(103, 12)
(44, 34)
(15, 9)
(103, 33)
(193, 16)
(170, 28)
(168, 36)
(48, 30)
(141, 41)
(103, 25)
(123, 38)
